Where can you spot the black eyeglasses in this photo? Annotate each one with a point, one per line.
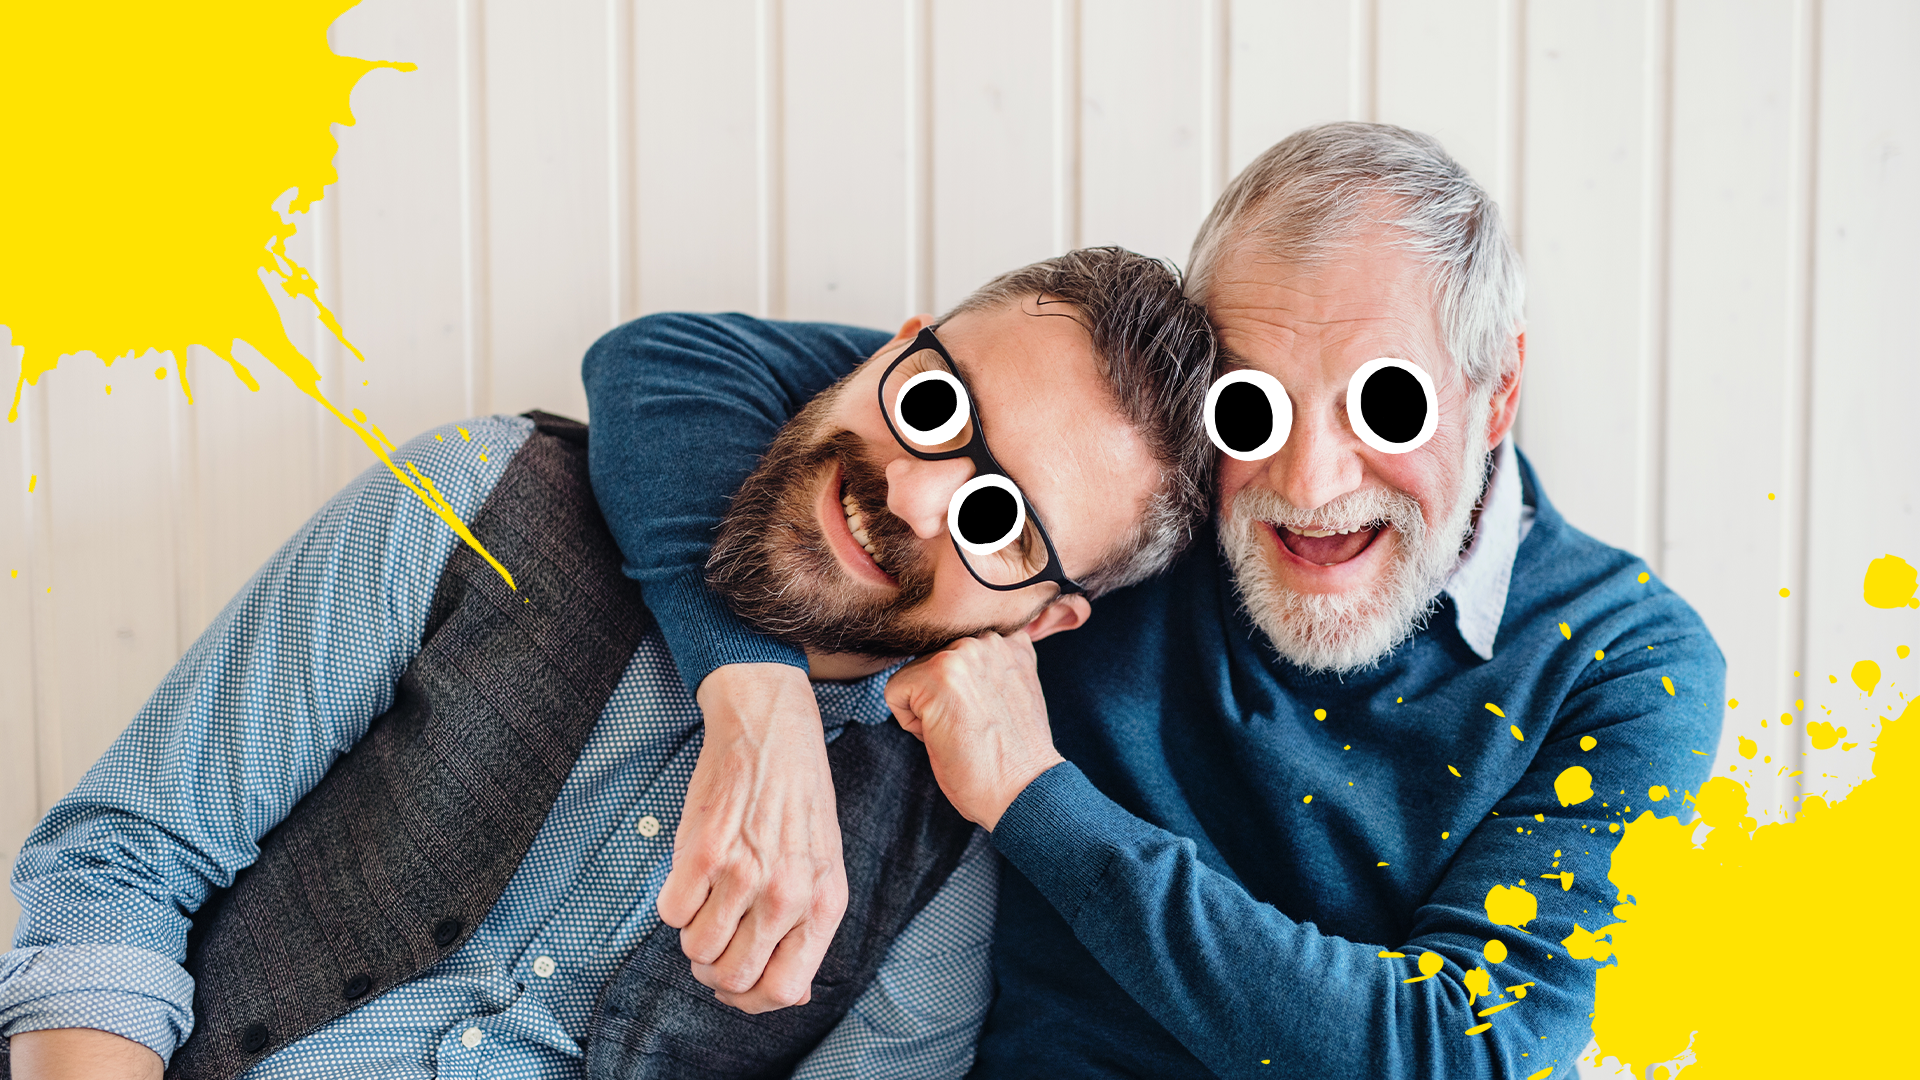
(993, 526)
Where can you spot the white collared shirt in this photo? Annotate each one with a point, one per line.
(1479, 584)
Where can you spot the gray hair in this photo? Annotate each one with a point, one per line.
(1310, 193)
(1156, 349)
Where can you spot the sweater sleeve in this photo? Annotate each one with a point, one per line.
(683, 406)
(1238, 981)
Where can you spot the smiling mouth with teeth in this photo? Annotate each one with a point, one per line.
(857, 525)
(1327, 547)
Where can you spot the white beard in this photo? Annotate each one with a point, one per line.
(1343, 632)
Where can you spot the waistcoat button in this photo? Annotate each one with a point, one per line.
(254, 1038)
(446, 931)
(357, 988)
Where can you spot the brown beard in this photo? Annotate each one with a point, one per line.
(778, 572)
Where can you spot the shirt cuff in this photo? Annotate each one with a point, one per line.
(703, 634)
(1063, 834)
(133, 993)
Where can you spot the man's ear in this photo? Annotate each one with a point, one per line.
(1066, 613)
(1505, 404)
(909, 330)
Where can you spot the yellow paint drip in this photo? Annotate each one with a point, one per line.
(1645, 577)
(1599, 654)
(1890, 582)
(226, 109)
(1495, 710)
(1566, 631)
(1668, 683)
(1453, 770)
(1588, 742)
(1319, 714)
(1495, 951)
(1900, 651)
(1514, 730)
(1511, 906)
(1866, 676)
(1479, 1028)
(1573, 785)
(1479, 985)
(1748, 748)
(1656, 792)
(1430, 965)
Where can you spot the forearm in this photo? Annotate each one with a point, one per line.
(81, 1054)
(1236, 980)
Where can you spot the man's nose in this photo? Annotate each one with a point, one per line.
(918, 491)
(1318, 464)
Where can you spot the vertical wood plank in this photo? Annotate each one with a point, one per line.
(397, 222)
(695, 155)
(19, 788)
(1732, 351)
(1142, 160)
(1448, 70)
(993, 146)
(845, 169)
(112, 626)
(1294, 63)
(1863, 498)
(1595, 169)
(547, 200)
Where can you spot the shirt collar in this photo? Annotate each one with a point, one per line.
(1479, 584)
(858, 701)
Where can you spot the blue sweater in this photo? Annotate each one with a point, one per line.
(1180, 907)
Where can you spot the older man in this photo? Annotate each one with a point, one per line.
(416, 816)
(1338, 798)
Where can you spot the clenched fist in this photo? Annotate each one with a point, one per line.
(977, 705)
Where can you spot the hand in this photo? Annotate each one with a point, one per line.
(758, 884)
(81, 1054)
(977, 705)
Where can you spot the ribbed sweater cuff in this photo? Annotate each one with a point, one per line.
(702, 634)
(1062, 833)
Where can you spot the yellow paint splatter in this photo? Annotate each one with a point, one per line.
(1514, 730)
(1318, 714)
(464, 433)
(1443, 833)
(1644, 577)
(1390, 955)
(1588, 742)
(1380, 864)
(1769, 496)
(16, 573)
(1786, 718)
(159, 373)
(1900, 651)
(1490, 1010)
(1599, 654)
(1308, 799)
(1479, 985)
(1573, 785)
(1890, 582)
(1866, 676)
(1786, 592)
(32, 481)
(228, 111)
(1584, 944)
(1657, 792)
(1511, 905)
(1824, 735)
(1495, 951)
(1495, 709)
(1542, 1074)
(1430, 965)
(1453, 770)
(1479, 1028)
(109, 389)
(1668, 683)
(1566, 631)
(1694, 924)
(1748, 748)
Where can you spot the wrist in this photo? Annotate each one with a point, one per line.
(1017, 781)
(742, 699)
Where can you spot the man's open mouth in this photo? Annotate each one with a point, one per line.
(1329, 547)
(856, 543)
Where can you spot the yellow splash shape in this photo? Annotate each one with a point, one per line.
(1511, 906)
(146, 147)
(1656, 792)
(1890, 582)
(1748, 747)
(1430, 965)
(1566, 631)
(1588, 742)
(1837, 885)
(1479, 983)
(1573, 785)
(1584, 944)
(1495, 952)
(1824, 735)
(1495, 709)
(1866, 675)
(1514, 730)
(1668, 683)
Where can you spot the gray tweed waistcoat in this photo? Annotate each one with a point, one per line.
(392, 860)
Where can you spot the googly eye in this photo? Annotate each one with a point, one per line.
(986, 514)
(1248, 414)
(930, 408)
(1392, 405)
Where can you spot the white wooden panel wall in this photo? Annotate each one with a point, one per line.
(1715, 200)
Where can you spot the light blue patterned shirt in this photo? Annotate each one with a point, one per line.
(285, 680)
